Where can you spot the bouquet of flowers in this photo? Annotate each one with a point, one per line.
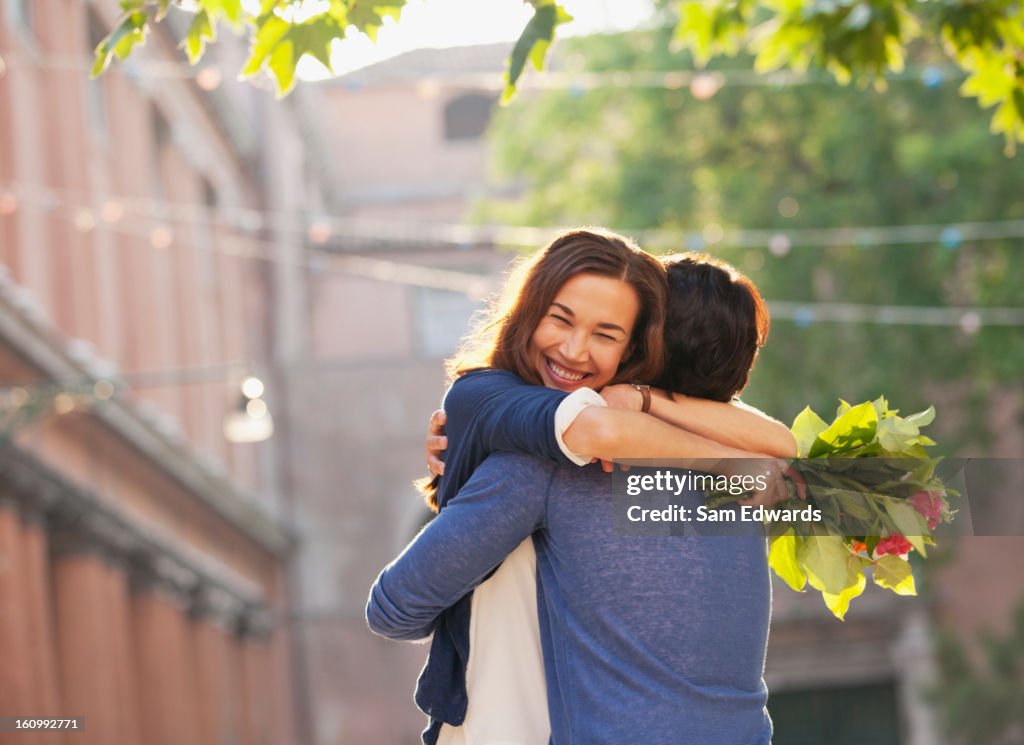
(870, 475)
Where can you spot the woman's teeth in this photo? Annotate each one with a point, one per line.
(565, 374)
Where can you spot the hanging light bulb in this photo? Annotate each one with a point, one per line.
(8, 203)
(706, 85)
(111, 212)
(161, 237)
(320, 232)
(779, 244)
(209, 78)
(250, 419)
(84, 220)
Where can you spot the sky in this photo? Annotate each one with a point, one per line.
(447, 23)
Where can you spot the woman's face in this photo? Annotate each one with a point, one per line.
(585, 333)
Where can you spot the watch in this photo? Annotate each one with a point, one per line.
(645, 391)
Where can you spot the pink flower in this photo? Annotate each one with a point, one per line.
(929, 504)
(893, 544)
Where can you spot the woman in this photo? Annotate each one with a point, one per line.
(585, 314)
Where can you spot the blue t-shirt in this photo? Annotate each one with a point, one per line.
(657, 639)
(488, 411)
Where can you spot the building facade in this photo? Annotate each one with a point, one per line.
(144, 558)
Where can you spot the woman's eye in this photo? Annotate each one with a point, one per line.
(609, 337)
(560, 319)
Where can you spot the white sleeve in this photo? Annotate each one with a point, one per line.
(566, 414)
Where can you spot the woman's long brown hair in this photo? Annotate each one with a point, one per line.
(501, 339)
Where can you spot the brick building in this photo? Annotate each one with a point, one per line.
(144, 559)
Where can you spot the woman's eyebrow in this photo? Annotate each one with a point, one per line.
(568, 311)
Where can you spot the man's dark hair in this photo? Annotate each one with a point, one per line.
(715, 325)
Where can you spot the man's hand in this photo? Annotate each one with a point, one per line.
(778, 474)
(436, 442)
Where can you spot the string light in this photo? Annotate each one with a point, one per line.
(112, 212)
(319, 232)
(413, 232)
(779, 245)
(969, 320)
(84, 220)
(8, 203)
(706, 84)
(209, 78)
(161, 237)
(703, 85)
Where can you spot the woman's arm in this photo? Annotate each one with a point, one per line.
(619, 435)
(734, 424)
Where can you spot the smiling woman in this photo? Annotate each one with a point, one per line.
(586, 334)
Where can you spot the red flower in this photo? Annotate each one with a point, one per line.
(929, 504)
(893, 544)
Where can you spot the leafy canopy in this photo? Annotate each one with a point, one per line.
(858, 40)
(284, 31)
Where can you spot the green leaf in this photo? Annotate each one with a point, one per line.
(806, 428)
(203, 29)
(782, 557)
(854, 428)
(533, 43)
(823, 557)
(282, 65)
(894, 573)
(230, 9)
(120, 42)
(368, 16)
(163, 7)
(839, 603)
(270, 30)
(909, 522)
(922, 418)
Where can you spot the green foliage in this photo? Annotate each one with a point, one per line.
(643, 158)
(534, 43)
(982, 696)
(280, 37)
(865, 39)
(854, 39)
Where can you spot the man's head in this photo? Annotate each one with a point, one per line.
(715, 325)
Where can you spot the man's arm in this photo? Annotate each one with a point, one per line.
(503, 503)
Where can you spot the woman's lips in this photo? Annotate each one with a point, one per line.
(565, 374)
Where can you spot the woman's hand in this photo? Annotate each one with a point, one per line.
(436, 442)
(622, 396)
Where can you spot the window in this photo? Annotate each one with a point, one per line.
(467, 117)
(23, 15)
(839, 716)
(442, 319)
(161, 130)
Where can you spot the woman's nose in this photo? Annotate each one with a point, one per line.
(574, 347)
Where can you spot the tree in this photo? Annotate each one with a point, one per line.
(982, 696)
(784, 159)
(857, 40)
